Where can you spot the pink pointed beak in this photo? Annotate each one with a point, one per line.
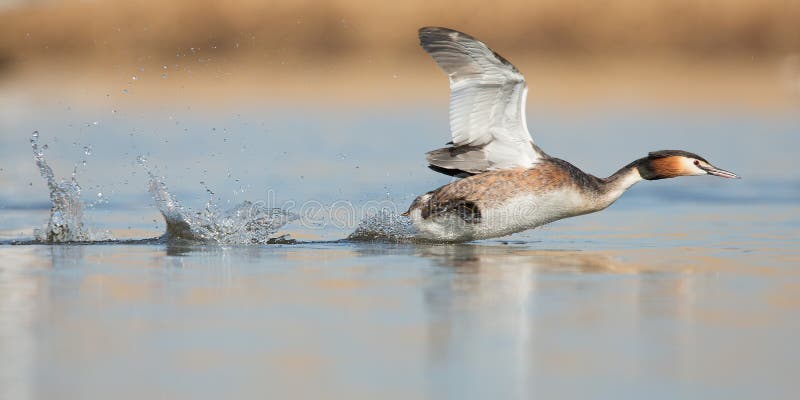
(711, 170)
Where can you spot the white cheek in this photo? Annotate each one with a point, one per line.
(688, 165)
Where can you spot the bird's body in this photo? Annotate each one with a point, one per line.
(499, 203)
(510, 184)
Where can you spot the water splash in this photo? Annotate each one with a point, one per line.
(246, 223)
(385, 226)
(66, 210)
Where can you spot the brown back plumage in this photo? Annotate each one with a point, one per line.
(469, 195)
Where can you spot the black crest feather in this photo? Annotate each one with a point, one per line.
(673, 153)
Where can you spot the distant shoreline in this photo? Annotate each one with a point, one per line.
(771, 84)
(120, 31)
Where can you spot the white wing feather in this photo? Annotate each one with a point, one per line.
(487, 105)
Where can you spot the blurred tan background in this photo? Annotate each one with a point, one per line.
(740, 51)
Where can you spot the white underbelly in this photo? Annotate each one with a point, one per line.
(502, 219)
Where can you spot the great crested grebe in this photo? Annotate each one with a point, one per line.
(510, 184)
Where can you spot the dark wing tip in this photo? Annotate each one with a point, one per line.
(433, 34)
(456, 173)
(431, 37)
(439, 30)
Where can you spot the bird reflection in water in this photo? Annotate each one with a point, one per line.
(532, 309)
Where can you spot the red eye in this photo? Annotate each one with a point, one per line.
(696, 162)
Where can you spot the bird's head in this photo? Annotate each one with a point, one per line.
(673, 163)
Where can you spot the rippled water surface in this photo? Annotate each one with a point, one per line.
(686, 288)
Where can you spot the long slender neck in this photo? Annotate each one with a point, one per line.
(615, 185)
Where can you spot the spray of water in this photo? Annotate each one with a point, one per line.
(66, 211)
(384, 226)
(66, 222)
(246, 223)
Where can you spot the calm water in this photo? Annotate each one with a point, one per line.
(687, 288)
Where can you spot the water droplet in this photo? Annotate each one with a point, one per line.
(163, 76)
(99, 195)
(164, 67)
(45, 147)
(134, 77)
(87, 150)
(141, 160)
(35, 134)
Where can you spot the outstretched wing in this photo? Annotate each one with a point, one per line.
(487, 106)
